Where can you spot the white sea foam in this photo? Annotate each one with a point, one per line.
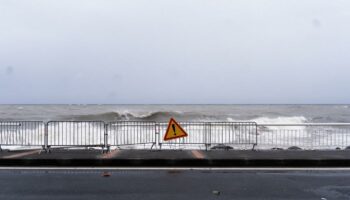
(281, 120)
(275, 120)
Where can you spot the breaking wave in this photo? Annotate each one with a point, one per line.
(163, 116)
(158, 116)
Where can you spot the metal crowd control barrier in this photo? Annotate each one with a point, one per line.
(198, 135)
(235, 133)
(136, 133)
(22, 133)
(310, 136)
(141, 134)
(206, 134)
(75, 134)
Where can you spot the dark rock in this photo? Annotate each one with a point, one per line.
(221, 147)
(276, 148)
(294, 148)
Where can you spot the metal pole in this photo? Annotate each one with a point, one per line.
(46, 137)
(256, 136)
(157, 136)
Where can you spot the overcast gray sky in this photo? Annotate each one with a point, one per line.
(174, 51)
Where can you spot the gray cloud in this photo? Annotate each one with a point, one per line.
(9, 70)
(174, 51)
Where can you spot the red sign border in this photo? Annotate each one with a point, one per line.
(167, 131)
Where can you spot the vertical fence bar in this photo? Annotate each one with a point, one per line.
(106, 147)
(46, 138)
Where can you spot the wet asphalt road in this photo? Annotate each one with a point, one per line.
(173, 184)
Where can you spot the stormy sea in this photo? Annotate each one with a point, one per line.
(134, 126)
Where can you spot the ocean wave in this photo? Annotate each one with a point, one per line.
(158, 116)
(277, 120)
(164, 116)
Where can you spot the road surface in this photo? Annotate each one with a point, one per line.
(179, 184)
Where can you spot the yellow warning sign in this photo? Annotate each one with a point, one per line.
(174, 131)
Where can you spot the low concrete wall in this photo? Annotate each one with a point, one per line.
(168, 158)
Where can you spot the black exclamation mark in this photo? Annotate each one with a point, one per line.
(173, 125)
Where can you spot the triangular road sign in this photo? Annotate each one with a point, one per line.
(174, 131)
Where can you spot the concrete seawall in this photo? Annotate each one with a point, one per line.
(173, 158)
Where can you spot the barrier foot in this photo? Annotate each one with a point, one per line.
(106, 149)
(43, 149)
(46, 149)
(253, 149)
(154, 147)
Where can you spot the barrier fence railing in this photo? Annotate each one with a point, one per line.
(75, 134)
(206, 134)
(145, 135)
(22, 133)
(126, 133)
(304, 136)
(198, 138)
